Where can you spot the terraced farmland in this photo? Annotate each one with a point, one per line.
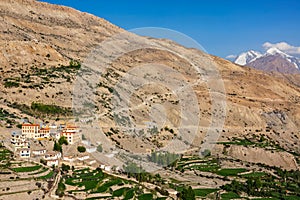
(31, 180)
(95, 184)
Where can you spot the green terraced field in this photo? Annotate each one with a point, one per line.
(27, 169)
(204, 192)
(231, 171)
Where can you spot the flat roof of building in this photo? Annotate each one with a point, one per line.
(30, 125)
(45, 129)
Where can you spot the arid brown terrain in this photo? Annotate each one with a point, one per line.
(42, 45)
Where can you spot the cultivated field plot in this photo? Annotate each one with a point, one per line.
(94, 184)
(264, 182)
(31, 180)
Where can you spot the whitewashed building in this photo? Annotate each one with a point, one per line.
(19, 140)
(24, 153)
(72, 134)
(39, 152)
(52, 158)
(52, 155)
(53, 162)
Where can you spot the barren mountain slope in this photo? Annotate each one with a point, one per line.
(38, 41)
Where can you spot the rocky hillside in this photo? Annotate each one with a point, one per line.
(42, 46)
(275, 63)
(37, 42)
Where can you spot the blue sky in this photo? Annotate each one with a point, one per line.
(222, 27)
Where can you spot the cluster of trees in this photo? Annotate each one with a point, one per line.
(58, 145)
(163, 158)
(187, 194)
(65, 168)
(131, 169)
(287, 183)
(61, 187)
(251, 187)
(48, 109)
(10, 84)
(170, 130)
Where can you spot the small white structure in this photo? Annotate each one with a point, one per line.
(53, 126)
(54, 162)
(24, 153)
(69, 158)
(172, 191)
(39, 152)
(92, 162)
(86, 142)
(102, 166)
(118, 169)
(54, 155)
(91, 149)
(52, 158)
(83, 158)
(107, 168)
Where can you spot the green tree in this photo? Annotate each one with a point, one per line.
(65, 167)
(57, 147)
(63, 140)
(81, 149)
(187, 194)
(253, 184)
(60, 189)
(206, 153)
(99, 148)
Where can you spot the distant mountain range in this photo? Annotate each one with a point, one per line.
(272, 60)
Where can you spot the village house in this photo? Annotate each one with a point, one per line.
(53, 162)
(69, 159)
(52, 158)
(72, 134)
(44, 132)
(30, 141)
(83, 157)
(19, 140)
(23, 152)
(39, 152)
(30, 130)
(105, 167)
(52, 155)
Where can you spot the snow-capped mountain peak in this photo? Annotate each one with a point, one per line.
(247, 57)
(272, 60)
(274, 51)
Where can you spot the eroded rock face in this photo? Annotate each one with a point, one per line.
(268, 157)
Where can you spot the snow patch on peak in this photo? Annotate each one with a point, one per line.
(251, 56)
(247, 57)
(274, 51)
